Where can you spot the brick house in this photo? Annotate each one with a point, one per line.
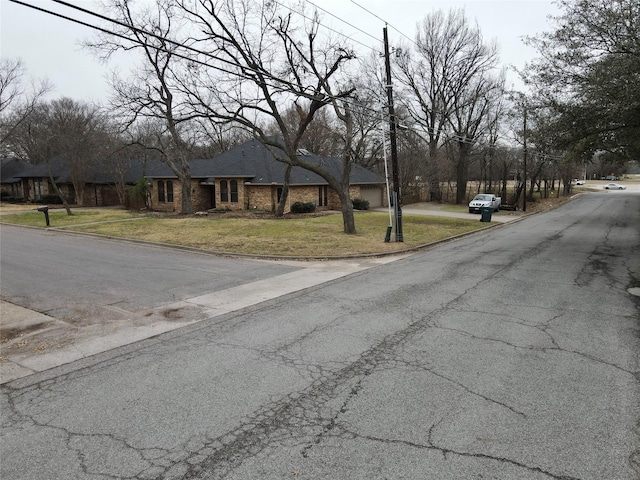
(33, 182)
(249, 177)
(10, 184)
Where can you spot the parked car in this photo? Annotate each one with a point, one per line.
(484, 200)
(614, 186)
(580, 182)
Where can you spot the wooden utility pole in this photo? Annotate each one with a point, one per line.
(394, 146)
(524, 136)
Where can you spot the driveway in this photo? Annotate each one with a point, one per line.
(429, 209)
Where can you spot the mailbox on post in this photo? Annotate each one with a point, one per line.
(45, 210)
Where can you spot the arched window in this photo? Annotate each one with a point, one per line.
(169, 191)
(224, 191)
(234, 191)
(160, 191)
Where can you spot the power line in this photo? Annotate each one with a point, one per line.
(344, 21)
(296, 88)
(384, 21)
(327, 27)
(140, 42)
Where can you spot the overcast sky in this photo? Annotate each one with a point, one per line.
(50, 46)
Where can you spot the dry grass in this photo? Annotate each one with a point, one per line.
(15, 207)
(258, 234)
(59, 218)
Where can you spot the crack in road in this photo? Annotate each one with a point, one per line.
(447, 451)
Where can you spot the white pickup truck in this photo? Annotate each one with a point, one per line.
(484, 200)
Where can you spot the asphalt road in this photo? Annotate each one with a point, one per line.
(512, 354)
(66, 275)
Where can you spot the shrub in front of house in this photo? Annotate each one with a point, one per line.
(303, 207)
(54, 199)
(360, 204)
(13, 199)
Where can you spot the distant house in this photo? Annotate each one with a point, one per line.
(10, 184)
(99, 182)
(249, 177)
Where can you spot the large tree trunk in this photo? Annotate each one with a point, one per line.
(185, 205)
(285, 193)
(348, 220)
(57, 189)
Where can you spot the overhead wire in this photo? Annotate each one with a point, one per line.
(384, 21)
(160, 48)
(327, 27)
(207, 54)
(343, 21)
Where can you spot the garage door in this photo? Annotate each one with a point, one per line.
(373, 195)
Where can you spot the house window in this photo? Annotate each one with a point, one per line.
(234, 191)
(323, 194)
(224, 191)
(169, 191)
(38, 188)
(279, 193)
(161, 191)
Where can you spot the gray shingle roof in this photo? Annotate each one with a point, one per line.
(10, 167)
(251, 162)
(96, 173)
(254, 162)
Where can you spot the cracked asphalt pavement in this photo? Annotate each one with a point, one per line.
(510, 354)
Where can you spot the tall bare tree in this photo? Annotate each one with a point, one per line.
(151, 92)
(255, 63)
(470, 121)
(79, 134)
(18, 99)
(439, 79)
(74, 134)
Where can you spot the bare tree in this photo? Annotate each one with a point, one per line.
(17, 100)
(469, 120)
(31, 140)
(152, 92)
(442, 83)
(80, 135)
(320, 137)
(255, 64)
